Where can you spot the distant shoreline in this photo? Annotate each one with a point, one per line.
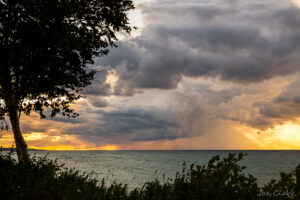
(13, 149)
(217, 150)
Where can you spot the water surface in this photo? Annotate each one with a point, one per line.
(137, 167)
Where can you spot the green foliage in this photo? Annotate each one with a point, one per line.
(218, 180)
(47, 46)
(46, 179)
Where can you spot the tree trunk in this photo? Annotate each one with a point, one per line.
(21, 146)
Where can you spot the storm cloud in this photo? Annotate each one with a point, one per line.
(199, 70)
(134, 124)
(245, 42)
(240, 43)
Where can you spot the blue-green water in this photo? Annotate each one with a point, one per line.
(137, 167)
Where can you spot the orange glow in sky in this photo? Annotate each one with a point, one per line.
(107, 147)
(66, 147)
(58, 142)
(296, 2)
(285, 136)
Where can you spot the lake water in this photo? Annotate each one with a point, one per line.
(137, 167)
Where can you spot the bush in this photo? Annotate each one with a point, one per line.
(45, 179)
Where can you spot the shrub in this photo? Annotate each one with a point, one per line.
(45, 179)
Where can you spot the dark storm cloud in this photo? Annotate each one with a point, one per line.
(137, 125)
(211, 97)
(246, 43)
(285, 106)
(158, 67)
(265, 114)
(243, 42)
(204, 12)
(290, 95)
(272, 114)
(288, 18)
(189, 114)
(98, 102)
(99, 86)
(77, 120)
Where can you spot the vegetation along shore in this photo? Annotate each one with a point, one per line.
(219, 179)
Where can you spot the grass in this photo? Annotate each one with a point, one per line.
(219, 179)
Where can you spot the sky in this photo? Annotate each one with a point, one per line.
(196, 74)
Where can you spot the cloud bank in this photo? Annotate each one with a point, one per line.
(197, 71)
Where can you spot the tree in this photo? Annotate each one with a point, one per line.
(47, 49)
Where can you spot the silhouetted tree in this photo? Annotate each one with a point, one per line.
(46, 49)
